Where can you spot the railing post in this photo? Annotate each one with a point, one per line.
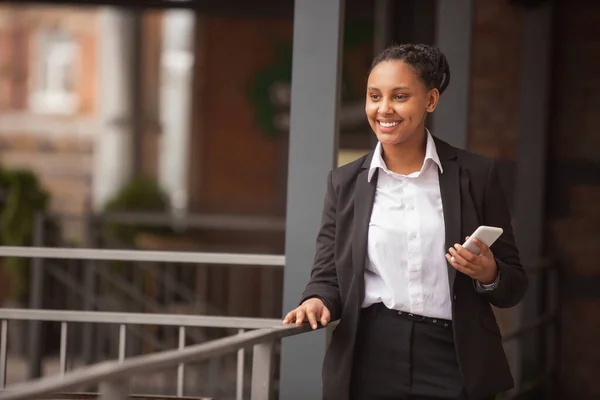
(63, 348)
(35, 301)
(89, 300)
(181, 367)
(262, 371)
(114, 390)
(239, 382)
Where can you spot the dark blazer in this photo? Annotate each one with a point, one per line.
(471, 196)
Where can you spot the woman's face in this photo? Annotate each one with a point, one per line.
(398, 102)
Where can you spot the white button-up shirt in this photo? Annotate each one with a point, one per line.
(406, 266)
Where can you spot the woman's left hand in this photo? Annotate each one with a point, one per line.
(481, 267)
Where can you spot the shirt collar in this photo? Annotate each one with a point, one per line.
(430, 154)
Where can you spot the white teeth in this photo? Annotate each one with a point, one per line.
(388, 124)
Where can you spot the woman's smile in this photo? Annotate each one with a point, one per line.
(387, 125)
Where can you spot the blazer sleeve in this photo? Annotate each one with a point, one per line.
(323, 281)
(513, 281)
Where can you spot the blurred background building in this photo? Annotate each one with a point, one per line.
(168, 129)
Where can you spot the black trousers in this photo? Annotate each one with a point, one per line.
(396, 358)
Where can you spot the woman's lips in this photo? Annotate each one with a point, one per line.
(388, 126)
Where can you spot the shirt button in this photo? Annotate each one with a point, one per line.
(413, 235)
(411, 207)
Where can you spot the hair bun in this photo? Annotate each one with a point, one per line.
(444, 71)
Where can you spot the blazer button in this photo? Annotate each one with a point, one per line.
(454, 297)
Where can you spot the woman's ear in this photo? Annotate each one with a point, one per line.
(433, 98)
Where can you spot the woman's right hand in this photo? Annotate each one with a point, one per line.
(312, 309)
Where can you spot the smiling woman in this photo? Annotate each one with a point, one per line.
(414, 305)
(404, 86)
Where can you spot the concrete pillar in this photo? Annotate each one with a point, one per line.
(454, 21)
(177, 62)
(113, 145)
(314, 126)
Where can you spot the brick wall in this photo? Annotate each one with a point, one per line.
(574, 192)
(239, 162)
(495, 78)
(573, 198)
(57, 148)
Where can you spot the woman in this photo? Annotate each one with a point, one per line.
(413, 304)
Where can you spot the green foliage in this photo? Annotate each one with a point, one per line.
(280, 71)
(139, 195)
(22, 198)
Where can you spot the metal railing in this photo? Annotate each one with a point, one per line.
(544, 325)
(263, 260)
(38, 253)
(113, 376)
(88, 280)
(93, 272)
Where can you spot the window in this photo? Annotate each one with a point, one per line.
(55, 86)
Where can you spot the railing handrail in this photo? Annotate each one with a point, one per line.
(127, 318)
(189, 220)
(114, 370)
(267, 260)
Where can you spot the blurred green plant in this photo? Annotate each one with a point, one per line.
(139, 195)
(21, 198)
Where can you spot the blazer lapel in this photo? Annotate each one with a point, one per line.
(364, 194)
(450, 193)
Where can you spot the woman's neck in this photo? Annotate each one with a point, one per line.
(407, 157)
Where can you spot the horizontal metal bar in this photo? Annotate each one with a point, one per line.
(144, 255)
(538, 322)
(98, 317)
(225, 222)
(111, 370)
(258, 8)
(195, 221)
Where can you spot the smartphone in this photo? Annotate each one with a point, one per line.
(485, 234)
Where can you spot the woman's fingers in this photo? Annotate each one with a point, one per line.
(325, 316)
(312, 318)
(459, 267)
(312, 310)
(300, 314)
(290, 317)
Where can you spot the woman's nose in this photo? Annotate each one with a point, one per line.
(384, 107)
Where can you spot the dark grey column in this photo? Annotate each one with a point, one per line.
(531, 162)
(450, 121)
(316, 73)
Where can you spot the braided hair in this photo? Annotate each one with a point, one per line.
(428, 61)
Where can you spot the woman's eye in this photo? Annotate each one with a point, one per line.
(374, 97)
(400, 97)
